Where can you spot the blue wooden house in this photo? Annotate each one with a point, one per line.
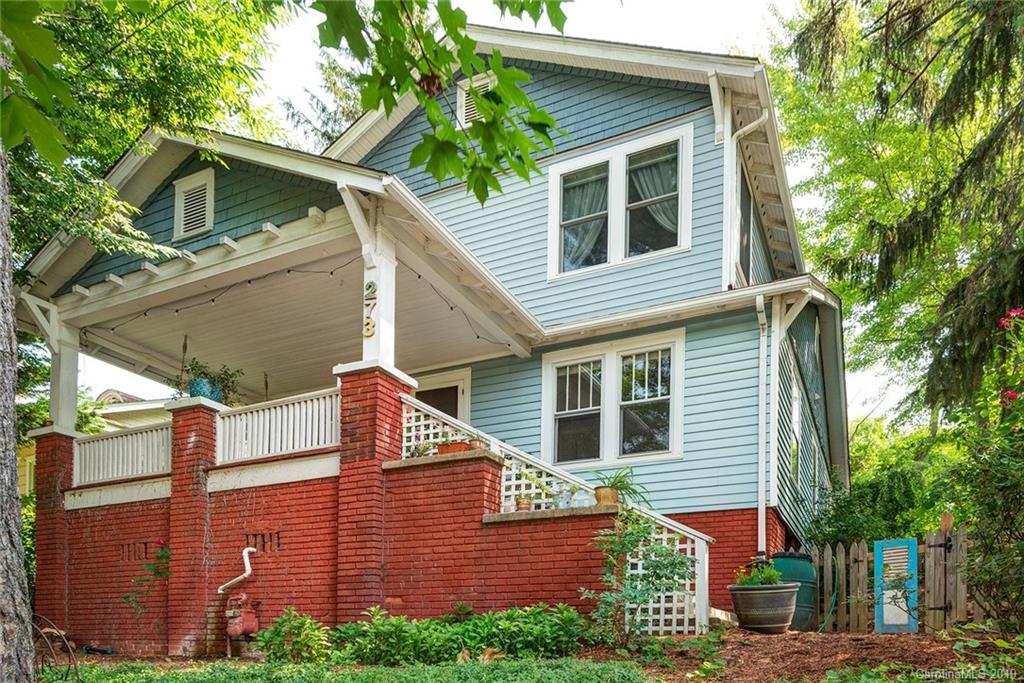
(643, 303)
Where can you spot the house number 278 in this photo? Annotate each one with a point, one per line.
(369, 305)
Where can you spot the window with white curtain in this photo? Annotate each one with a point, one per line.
(617, 401)
(625, 202)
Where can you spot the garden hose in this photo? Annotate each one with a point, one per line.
(835, 594)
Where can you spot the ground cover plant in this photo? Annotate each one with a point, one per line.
(509, 671)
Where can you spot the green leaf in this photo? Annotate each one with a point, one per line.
(343, 22)
(20, 117)
(555, 14)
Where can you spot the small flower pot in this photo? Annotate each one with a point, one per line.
(478, 445)
(606, 495)
(201, 387)
(524, 504)
(453, 447)
(765, 609)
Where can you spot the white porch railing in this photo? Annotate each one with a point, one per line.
(287, 425)
(122, 455)
(550, 486)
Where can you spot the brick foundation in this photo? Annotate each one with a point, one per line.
(735, 534)
(415, 536)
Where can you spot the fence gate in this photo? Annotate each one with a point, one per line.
(895, 592)
(848, 593)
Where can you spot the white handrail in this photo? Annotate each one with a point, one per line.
(124, 454)
(286, 425)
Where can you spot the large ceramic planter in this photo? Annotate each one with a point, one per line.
(201, 387)
(765, 609)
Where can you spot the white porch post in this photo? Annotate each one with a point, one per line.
(379, 300)
(64, 377)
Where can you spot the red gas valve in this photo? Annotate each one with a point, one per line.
(241, 615)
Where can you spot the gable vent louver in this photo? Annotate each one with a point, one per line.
(193, 209)
(467, 107)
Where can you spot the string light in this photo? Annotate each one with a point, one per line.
(304, 271)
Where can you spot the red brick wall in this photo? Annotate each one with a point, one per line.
(440, 552)
(193, 452)
(293, 528)
(107, 547)
(371, 434)
(735, 534)
(54, 457)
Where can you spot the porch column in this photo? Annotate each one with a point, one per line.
(371, 434)
(64, 377)
(55, 453)
(193, 452)
(379, 263)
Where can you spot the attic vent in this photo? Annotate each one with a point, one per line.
(467, 111)
(193, 204)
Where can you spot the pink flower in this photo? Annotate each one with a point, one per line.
(1015, 313)
(161, 542)
(1008, 397)
(1004, 323)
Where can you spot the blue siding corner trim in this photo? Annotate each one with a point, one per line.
(718, 470)
(245, 196)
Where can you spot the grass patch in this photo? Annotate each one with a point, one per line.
(509, 671)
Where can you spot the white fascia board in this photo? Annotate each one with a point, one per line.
(607, 56)
(765, 95)
(440, 233)
(688, 308)
(299, 163)
(128, 164)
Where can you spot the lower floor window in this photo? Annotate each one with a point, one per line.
(614, 402)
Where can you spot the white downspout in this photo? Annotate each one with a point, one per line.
(762, 377)
(244, 575)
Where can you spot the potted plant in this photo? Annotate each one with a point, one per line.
(220, 385)
(619, 485)
(762, 602)
(448, 444)
(524, 502)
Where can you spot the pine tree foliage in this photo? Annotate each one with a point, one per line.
(953, 72)
(325, 117)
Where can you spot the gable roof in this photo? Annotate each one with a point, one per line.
(743, 78)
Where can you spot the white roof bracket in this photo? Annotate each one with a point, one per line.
(367, 236)
(46, 317)
(716, 105)
(790, 315)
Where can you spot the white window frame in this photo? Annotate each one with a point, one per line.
(461, 378)
(616, 158)
(611, 354)
(486, 78)
(183, 185)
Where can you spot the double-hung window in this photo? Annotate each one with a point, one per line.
(621, 203)
(614, 402)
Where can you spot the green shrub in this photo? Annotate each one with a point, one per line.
(294, 637)
(521, 671)
(537, 631)
(759, 574)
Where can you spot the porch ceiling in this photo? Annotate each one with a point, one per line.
(294, 325)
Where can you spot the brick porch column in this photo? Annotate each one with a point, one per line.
(55, 452)
(371, 434)
(193, 451)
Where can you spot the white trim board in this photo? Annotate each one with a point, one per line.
(117, 494)
(610, 354)
(274, 472)
(462, 378)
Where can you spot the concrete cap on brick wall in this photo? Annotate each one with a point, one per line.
(194, 402)
(54, 429)
(342, 369)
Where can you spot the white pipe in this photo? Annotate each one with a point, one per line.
(756, 123)
(244, 575)
(762, 373)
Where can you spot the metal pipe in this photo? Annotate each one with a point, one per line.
(762, 376)
(244, 575)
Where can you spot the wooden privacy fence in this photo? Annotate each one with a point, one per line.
(847, 570)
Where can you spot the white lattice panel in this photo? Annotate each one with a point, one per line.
(421, 432)
(547, 489)
(670, 612)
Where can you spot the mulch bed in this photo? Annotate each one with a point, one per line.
(794, 656)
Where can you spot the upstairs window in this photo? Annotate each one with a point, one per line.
(622, 203)
(193, 204)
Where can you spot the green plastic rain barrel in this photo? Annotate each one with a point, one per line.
(797, 567)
